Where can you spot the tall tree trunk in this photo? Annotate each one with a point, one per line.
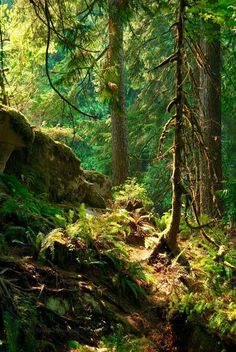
(172, 231)
(210, 99)
(118, 105)
(3, 93)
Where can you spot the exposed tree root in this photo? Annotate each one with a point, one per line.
(164, 244)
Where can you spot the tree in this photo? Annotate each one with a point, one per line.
(173, 229)
(178, 120)
(3, 93)
(118, 101)
(210, 103)
(76, 41)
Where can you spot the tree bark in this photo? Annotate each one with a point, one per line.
(210, 100)
(3, 94)
(120, 157)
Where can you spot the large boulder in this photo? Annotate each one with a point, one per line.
(97, 183)
(47, 167)
(15, 133)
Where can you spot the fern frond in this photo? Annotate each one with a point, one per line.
(56, 235)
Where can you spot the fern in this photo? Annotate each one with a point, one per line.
(26, 211)
(56, 235)
(120, 341)
(27, 315)
(101, 242)
(213, 299)
(12, 329)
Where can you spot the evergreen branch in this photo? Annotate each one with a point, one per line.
(47, 15)
(189, 202)
(170, 59)
(164, 155)
(50, 23)
(89, 8)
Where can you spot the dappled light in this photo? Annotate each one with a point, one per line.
(117, 176)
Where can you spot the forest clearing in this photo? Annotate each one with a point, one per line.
(117, 176)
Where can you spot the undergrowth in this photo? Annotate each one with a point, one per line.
(119, 341)
(131, 191)
(99, 242)
(23, 215)
(100, 245)
(212, 296)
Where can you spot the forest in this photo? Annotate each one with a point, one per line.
(117, 176)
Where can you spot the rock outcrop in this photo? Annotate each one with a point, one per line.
(47, 167)
(15, 133)
(97, 183)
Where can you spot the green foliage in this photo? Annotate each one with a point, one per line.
(59, 306)
(12, 329)
(3, 244)
(228, 196)
(77, 65)
(221, 11)
(122, 342)
(48, 241)
(163, 221)
(21, 327)
(131, 191)
(213, 298)
(29, 214)
(27, 316)
(117, 342)
(75, 344)
(82, 76)
(101, 239)
(219, 314)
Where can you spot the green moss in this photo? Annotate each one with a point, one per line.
(42, 138)
(60, 150)
(52, 169)
(65, 152)
(92, 176)
(58, 305)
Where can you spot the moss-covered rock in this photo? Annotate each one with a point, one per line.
(14, 127)
(51, 168)
(15, 132)
(98, 187)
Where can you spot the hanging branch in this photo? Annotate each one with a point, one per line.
(40, 9)
(47, 15)
(170, 59)
(164, 133)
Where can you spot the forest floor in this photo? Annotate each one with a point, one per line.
(56, 293)
(79, 306)
(92, 284)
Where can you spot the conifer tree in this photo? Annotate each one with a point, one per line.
(210, 104)
(118, 100)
